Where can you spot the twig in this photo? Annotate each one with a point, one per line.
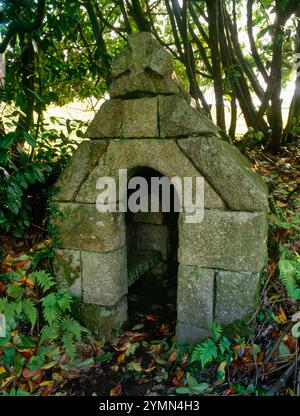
(281, 382)
(276, 345)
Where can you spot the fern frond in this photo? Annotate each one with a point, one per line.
(205, 352)
(72, 326)
(68, 345)
(43, 279)
(51, 311)
(288, 275)
(15, 291)
(52, 315)
(30, 311)
(64, 300)
(216, 329)
(3, 304)
(49, 333)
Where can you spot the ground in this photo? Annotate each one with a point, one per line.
(143, 358)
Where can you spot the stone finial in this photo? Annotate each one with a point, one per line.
(143, 68)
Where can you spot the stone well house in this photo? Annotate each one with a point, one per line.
(151, 125)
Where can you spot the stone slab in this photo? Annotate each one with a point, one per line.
(236, 296)
(164, 156)
(104, 277)
(228, 171)
(225, 240)
(104, 322)
(195, 296)
(152, 237)
(83, 227)
(177, 118)
(67, 271)
(143, 67)
(81, 163)
(108, 121)
(190, 334)
(140, 118)
(149, 217)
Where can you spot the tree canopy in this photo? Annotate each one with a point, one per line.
(57, 51)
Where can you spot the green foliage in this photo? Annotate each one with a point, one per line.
(192, 387)
(43, 279)
(15, 392)
(30, 311)
(68, 344)
(210, 350)
(216, 330)
(181, 349)
(289, 272)
(26, 162)
(205, 352)
(59, 326)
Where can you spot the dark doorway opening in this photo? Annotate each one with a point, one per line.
(152, 244)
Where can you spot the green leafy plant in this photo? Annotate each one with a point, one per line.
(26, 161)
(289, 272)
(16, 392)
(192, 387)
(59, 326)
(211, 349)
(296, 326)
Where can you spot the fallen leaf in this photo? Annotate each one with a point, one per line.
(296, 330)
(27, 281)
(121, 358)
(176, 382)
(26, 353)
(281, 204)
(179, 373)
(137, 327)
(49, 365)
(151, 318)
(116, 391)
(282, 316)
(46, 383)
(2, 370)
(136, 366)
(150, 369)
(296, 317)
(164, 328)
(30, 373)
(184, 358)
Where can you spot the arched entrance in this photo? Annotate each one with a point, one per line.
(152, 262)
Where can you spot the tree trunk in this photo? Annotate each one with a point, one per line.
(100, 42)
(178, 16)
(212, 8)
(26, 85)
(234, 71)
(276, 67)
(139, 16)
(294, 111)
(233, 121)
(255, 54)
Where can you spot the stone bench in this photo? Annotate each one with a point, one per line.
(141, 262)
